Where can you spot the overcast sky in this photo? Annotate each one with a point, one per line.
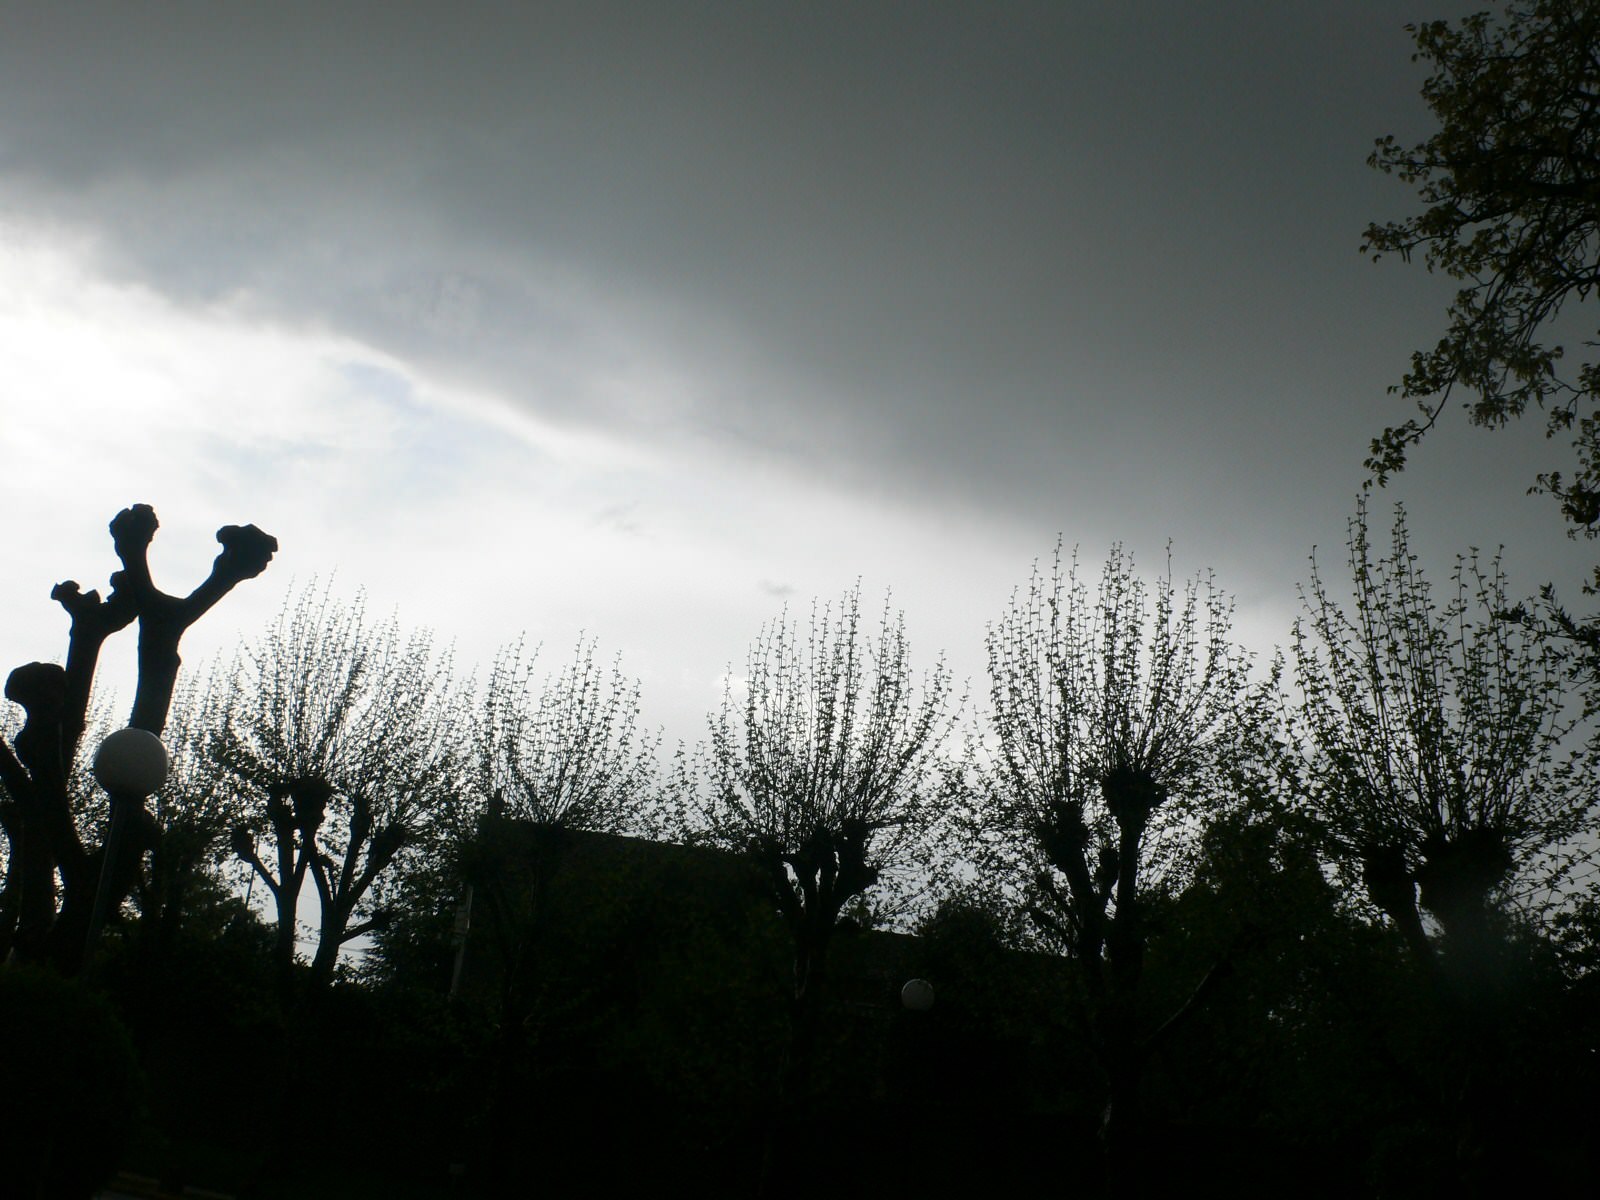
(643, 318)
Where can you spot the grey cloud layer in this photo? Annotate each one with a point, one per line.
(1028, 256)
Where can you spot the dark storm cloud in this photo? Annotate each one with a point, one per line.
(1075, 257)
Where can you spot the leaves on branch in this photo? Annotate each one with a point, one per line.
(1435, 723)
(1511, 185)
(1116, 720)
(350, 734)
(829, 762)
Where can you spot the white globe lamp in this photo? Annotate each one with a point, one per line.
(131, 762)
(917, 995)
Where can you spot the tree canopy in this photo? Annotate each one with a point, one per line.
(565, 749)
(346, 730)
(1510, 184)
(1437, 732)
(825, 771)
(1124, 721)
(825, 777)
(1205, 994)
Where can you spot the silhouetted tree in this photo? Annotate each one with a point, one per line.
(1437, 729)
(1288, 1070)
(566, 750)
(825, 773)
(521, 915)
(1510, 182)
(1120, 726)
(39, 919)
(558, 755)
(352, 733)
(1438, 732)
(195, 812)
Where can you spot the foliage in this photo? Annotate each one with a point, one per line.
(1122, 725)
(69, 1088)
(1118, 727)
(825, 777)
(828, 769)
(623, 979)
(997, 1032)
(1437, 730)
(567, 751)
(1287, 1063)
(550, 755)
(348, 731)
(1121, 809)
(1510, 182)
(195, 811)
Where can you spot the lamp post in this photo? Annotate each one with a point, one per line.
(130, 764)
(917, 995)
(462, 929)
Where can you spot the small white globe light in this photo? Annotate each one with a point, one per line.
(132, 762)
(917, 995)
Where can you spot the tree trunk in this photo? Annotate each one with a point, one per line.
(326, 959)
(1121, 1119)
(786, 1154)
(283, 943)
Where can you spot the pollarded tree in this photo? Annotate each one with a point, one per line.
(555, 757)
(557, 762)
(826, 775)
(350, 732)
(39, 919)
(566, 750)
(1121, 724)
(1438, 730)
(196, 810)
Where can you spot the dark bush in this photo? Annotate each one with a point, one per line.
(69, 1085)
